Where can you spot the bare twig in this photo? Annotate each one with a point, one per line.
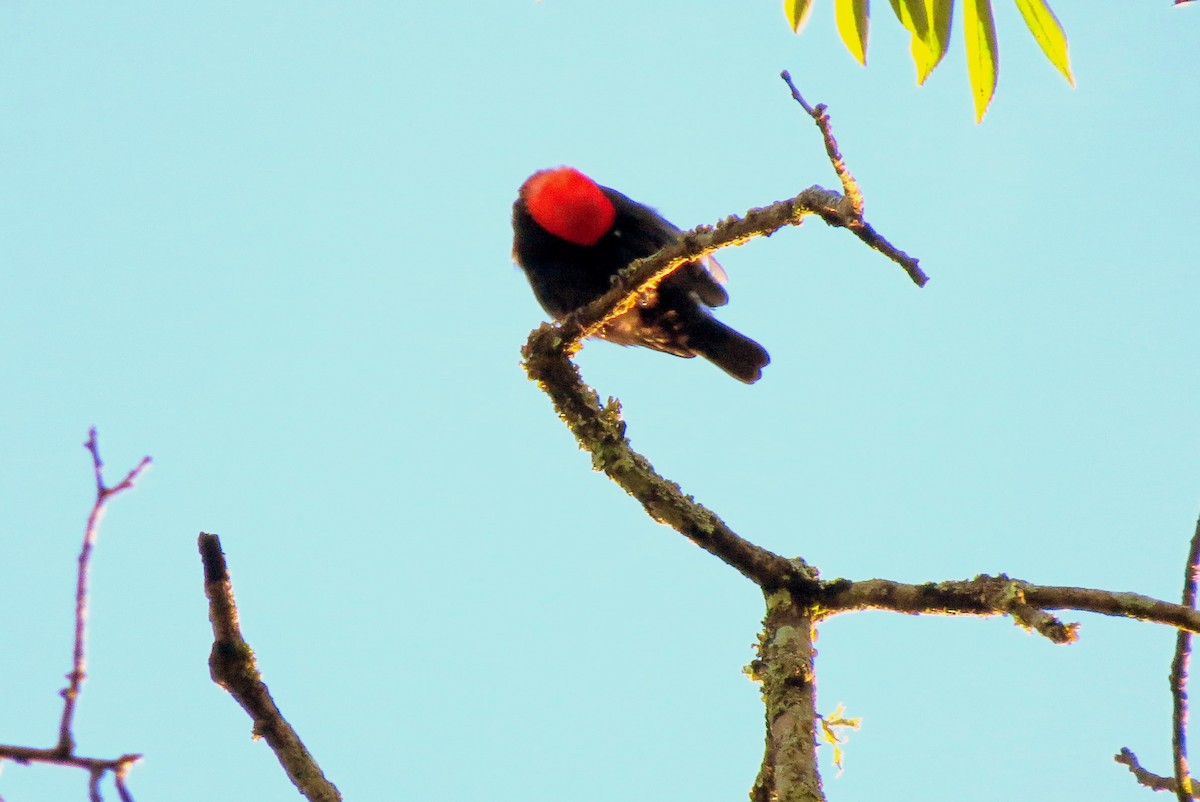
(233, 667)
(96, 767)
(63, 752)
(856, 223)
(1149, 779)
(1179, 677)
(821, 118)
(70, 694)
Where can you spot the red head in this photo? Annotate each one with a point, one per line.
(569, 205)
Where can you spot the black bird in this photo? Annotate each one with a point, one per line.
(572, 236)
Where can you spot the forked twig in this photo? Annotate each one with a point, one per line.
(78, 664)
(821, 118)
(63, 752)
(857, 223)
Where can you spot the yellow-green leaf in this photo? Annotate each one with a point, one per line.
(929, 23)
(851, 17)
(913, 17)
(911, 14)
(939, 14)
(797, 13)
(1049, 34)
(983, 60)
(837, 757)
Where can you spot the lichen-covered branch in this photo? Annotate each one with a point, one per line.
(833, 208)
(600, 431)
(1001, 595)
(233, 667)
(785, 670)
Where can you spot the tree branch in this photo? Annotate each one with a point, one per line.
(644, 274)
(1179, 677)
(233, 667)
(1000, 595)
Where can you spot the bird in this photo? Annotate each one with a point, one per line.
(572, 236)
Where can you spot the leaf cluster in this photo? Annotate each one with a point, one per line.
(929, 22)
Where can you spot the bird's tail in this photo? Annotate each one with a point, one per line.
(732, 352)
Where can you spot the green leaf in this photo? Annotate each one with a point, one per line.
(851, 17)
(1049, 34)
(983, 60)
(797, 13)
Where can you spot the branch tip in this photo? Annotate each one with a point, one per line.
(234, 668)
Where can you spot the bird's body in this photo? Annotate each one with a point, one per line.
(572, 237)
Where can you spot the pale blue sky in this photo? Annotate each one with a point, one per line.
(270, 247)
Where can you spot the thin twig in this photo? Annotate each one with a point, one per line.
(854, 197)
(234, 668)
(821, 118)
(1179, 677)
(96, 767)
(70, 694)
(119, 774)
